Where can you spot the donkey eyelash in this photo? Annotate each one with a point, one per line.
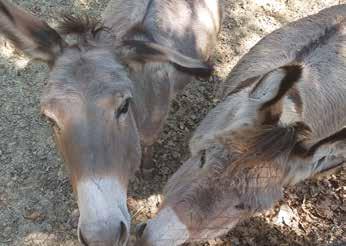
(123, 109)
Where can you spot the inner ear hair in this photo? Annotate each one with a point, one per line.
(146, 51)
(257, 146)
(271, 89)
(28, 33)
(293, 73)
(267, 141)
(143, 51)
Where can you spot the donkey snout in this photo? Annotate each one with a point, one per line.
(103, 234)
(104, 218)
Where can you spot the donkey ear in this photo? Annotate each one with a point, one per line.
(28, 33)
(322, 158)
(271, 88)
(144, 51)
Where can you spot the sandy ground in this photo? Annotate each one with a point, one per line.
(36, 201)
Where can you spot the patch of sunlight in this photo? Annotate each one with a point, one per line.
(275, 6)
(250, 41)
(223, 70)
(39, 238)
(82, 4)
(287, 216)
(44, 239)
(242, 47)
(22, 62)
(8, 51)
(141, 209)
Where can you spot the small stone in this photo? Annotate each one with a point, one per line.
(3, 199)
(74, 218)
(7, 230)
(34, 216)
(285, 215)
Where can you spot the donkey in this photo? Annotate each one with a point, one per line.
(109, 91)
(282, 119)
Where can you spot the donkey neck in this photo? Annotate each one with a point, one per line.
(324, 106)
(152, 96)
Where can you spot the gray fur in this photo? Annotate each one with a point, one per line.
(137, 58)
(174, 24)
(234, 182)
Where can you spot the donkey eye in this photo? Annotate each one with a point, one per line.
(202, 158)
(124, 108)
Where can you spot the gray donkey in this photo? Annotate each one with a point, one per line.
(282, 120)
(109, 91)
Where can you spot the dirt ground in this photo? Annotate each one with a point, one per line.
(36, 201)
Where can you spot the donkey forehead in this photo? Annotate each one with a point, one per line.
(89, 73)
(216, 122)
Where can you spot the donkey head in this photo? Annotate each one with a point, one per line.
(89, 100)
(242, 155)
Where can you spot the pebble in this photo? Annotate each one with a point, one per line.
(74, 218)
(34, 216)
(7, 230)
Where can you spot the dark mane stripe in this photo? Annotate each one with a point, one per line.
(80, 25)
(318, 42)
(301, 54)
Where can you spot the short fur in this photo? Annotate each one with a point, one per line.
(109, 91)
(274, 127)
(5, 11)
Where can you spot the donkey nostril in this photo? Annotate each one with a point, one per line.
(123, 233)
(81, 238)
(103, 233)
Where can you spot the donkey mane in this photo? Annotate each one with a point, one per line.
(300, 55)
(265, 143)
(80, 25)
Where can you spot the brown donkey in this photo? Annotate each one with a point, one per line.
(282, 120)
(109, 92)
